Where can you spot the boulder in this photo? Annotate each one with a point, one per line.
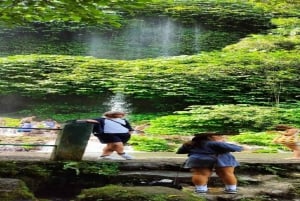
(14, 190)
(136, 193)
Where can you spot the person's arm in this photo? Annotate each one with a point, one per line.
(87, 121)
(128, 125)
(223, 147)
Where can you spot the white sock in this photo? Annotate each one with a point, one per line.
(201, 187)
(230, 187)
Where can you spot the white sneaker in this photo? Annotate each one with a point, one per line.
(107, 157)
(126, 156)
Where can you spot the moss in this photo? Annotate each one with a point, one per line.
(36, 170)
(102, 168)
(32, 174)
(8, 169)
(14, 190)
(120, 193)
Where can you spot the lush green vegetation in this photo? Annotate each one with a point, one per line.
(105, 13)
(209, 78)
(261, 70)
(261, 141)
(108, 14)
(128, 42)
(152, 144)
(131, 31)
(229, 119)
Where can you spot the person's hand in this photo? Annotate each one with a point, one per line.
(251, 148)
(247, 148)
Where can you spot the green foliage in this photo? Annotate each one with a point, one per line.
(262, 69)
(61, 27)
(8, 169)
(90, 12)
(210, 78)
(104, 168)
(110, 13)
(61, 112)
(229, 14)
(64, 112)
(216, 40)
(222, 118)
(284, 37)
(151, 144)
(140, 33)
(278, 7)
(144, 118)
(261, 139)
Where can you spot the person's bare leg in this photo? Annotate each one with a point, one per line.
(200, 175)
(118, 147)
(296, 150)
(108, 149)
(227, 175)
(228, 178)
(200, 178)
(297, 153)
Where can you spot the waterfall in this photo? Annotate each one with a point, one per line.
(118, 103)
(167, 36)
(145, 38)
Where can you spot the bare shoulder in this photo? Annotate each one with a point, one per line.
(291, 131)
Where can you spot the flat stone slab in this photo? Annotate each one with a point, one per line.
(140, 157)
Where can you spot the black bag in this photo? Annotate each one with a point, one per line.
(98, 129)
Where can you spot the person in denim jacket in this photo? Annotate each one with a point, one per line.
(208, 152)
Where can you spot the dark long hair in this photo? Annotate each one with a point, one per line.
(282, 127)
(197, 140)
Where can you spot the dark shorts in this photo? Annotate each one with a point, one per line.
(113, 137)
(199, 163)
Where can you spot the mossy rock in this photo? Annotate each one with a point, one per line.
(139, 193)
(14, 189)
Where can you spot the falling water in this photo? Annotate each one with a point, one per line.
(197, 32)
(167, 36)
(143, 38)
(97, 46)
(118, 103)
